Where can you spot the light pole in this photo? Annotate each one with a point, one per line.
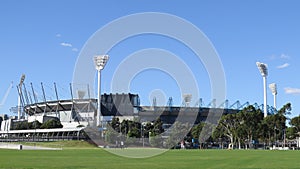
(273, 88)
(100, 61)
(263, 68)
(142, 133)
(20, 93)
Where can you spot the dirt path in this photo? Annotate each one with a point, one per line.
(24, 147)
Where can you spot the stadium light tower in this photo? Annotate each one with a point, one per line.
(20, 93)
(187, 99)
(263, 68)
(273, 88)
(100, 62)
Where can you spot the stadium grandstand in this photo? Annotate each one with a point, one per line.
(68, 119)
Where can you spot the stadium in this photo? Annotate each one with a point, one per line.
(80, 112)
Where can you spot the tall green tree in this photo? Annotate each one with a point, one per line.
(294, 130)
(251, 119)
(274, 127)
(266, 130)
(115, 124)
(157, 127)
(227, 127)
(295, 122)
(281, 118)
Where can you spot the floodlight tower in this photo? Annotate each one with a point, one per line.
(187, 99)
(273, 88)
(263, 68)
(20, 93)
(100, 61)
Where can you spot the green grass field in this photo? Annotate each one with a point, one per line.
(89, 157)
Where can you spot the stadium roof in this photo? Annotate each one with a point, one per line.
(59, 105)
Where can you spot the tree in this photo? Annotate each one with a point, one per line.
(265, 131)
(295, 127)
(291, 133)
(22, 125)
(124, 127)
(115, 124)
(251, 120)
(227, 127)
(218, 134)
(35, 125)
(134, 132)
(51, 124)
(157, 127)
(285, 110)
(281, 118)
(177, 133)
(155, 140)
(147, 128)
(273, 127)
(295, 122)
(239, 127)
(111, 135)
(196, 130)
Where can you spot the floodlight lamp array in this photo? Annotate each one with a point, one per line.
(100, 61)
(263, 68)
(273, 88)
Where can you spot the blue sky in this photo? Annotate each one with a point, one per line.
(43, 39)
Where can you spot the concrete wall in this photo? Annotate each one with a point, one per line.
(6, 125)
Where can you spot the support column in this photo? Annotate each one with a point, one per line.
(265, 96)
(99, 115)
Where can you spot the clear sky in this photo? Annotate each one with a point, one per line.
(43, 39)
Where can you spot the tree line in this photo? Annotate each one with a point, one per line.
(49, 124)
(249, 127)
(244, 129)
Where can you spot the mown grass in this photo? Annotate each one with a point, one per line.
(99, 158)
